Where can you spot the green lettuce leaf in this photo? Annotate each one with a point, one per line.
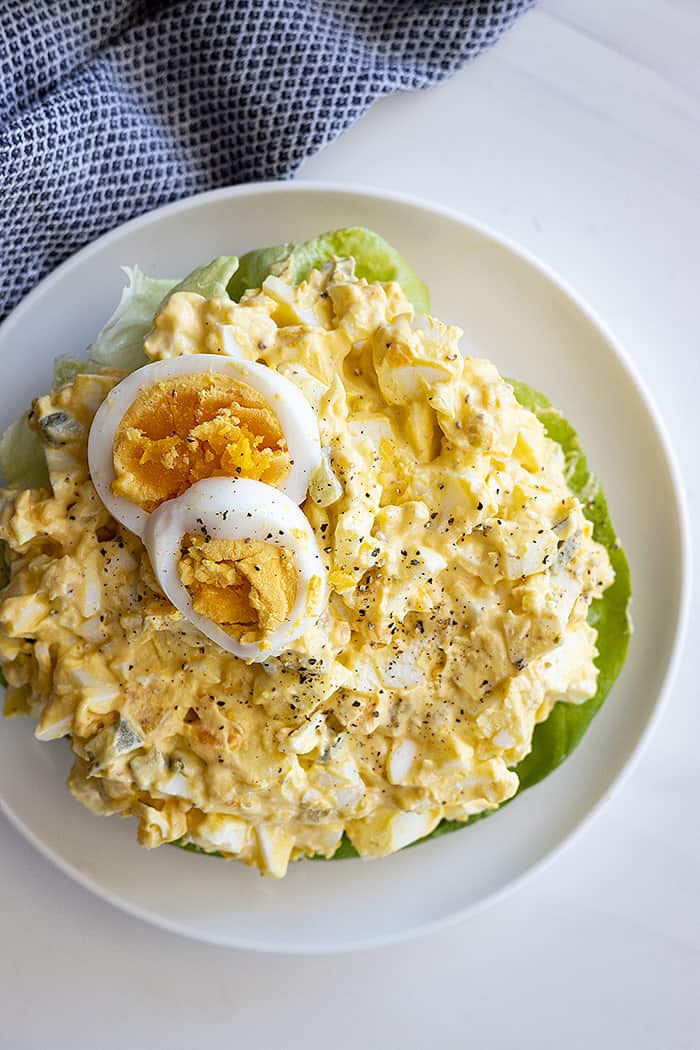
(557, 737)
(210, 280)
(65, 369)
(22, 459)
(375, 260)
(120, 343)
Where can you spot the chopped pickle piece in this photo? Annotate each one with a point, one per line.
(191, 427)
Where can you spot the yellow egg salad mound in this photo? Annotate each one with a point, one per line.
(458, 565)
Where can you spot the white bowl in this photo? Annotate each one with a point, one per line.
(520, 315)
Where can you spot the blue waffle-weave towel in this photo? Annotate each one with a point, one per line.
(111, 107)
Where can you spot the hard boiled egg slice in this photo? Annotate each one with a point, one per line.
(172, 423)
(241, 562)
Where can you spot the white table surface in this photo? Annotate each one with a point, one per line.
(579, 137)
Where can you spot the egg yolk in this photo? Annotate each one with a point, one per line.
(247, 587)
(190, 427)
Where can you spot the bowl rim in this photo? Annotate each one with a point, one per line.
(304, 186)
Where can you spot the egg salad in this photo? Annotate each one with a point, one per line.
(306, 577)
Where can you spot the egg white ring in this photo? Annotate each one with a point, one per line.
(296, 417)
(253, 511)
